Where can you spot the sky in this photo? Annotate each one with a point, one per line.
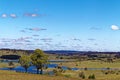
(83, 25)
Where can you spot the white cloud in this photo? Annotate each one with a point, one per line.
(13, 15)
(36, 29)
(114, 27)
(34, 15)
(31, 14)
(4, 15)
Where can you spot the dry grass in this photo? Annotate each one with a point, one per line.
(98, 74)
(92, 64)
(2, 65)
(10, 75)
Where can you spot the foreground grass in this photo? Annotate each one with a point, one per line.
(99, 75)
(10, 75)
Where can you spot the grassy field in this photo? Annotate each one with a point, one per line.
(72, 75)
(99, 75)
(92, 64)
(2, 65)
(83, 64)
(10, 75)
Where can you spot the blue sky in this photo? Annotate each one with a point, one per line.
(85, 25)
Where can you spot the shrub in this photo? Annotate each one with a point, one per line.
(117, 73)
(108, 68)
(54, 70)
(106, 73)
(62, 71)
(56, 73)
(76, 64)
(69, 68)
(91, 76)
(68, 75)
(11, 65)
(82, 75)
(85, 68)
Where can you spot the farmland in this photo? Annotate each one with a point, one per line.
(84, 63)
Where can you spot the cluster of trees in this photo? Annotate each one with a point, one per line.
(38, 59)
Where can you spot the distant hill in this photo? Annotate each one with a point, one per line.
(67, 52)
(61, 51)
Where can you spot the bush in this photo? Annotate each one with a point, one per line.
(108, 68)
(62, 71)
(82, 75)
(106, 73)
(85, 68)
(54, 70)
(10, 63)
(117, 73)
(69, 68)
(56, 73)
(76, 64)
(109, 72)
(91, 76)
(68, 75)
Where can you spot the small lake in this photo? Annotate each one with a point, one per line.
(32, 69)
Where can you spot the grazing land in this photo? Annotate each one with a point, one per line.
(87, 64)
(10, 75)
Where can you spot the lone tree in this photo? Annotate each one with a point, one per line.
(38, 59)
(25, 61)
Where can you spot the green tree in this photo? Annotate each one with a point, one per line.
(38, 59)
(25, 61)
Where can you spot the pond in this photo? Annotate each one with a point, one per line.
(32, 69)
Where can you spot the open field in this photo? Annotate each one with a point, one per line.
(71, 75)
(98, 74)
(2, 65)
(10, 75)
(92, 64)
